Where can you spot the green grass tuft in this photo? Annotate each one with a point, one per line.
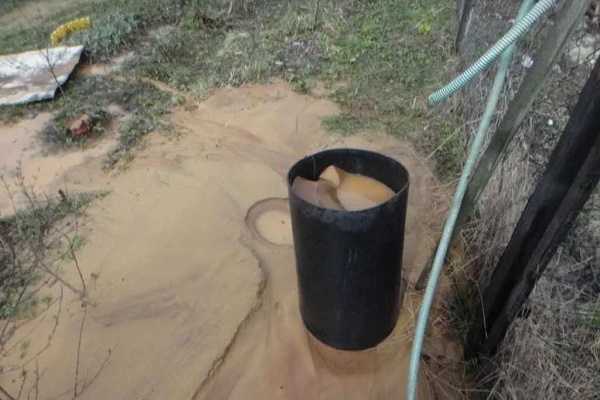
(110, 35)
(26, 239)
(56, 134)
(345, 124)
(131, 132)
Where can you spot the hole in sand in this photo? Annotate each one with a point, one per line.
(270, 221)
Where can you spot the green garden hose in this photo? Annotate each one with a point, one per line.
(525, 19)
(519, 29)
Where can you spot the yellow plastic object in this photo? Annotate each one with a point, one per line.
(62, 31)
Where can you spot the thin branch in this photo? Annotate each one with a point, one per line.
(85, 384)
(45, 54)
(50, 337)
(37, 380)
(23, 380)
(16, 307)
(72, 253)
(61, 280)
(6, 394)
(25, 337)
(79, 351)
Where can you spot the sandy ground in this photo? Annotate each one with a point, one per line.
(189, 263)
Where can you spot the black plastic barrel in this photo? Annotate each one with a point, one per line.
(349, 263)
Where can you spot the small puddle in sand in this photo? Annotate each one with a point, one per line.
(270, 220)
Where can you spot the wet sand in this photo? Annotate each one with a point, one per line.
(189, 263)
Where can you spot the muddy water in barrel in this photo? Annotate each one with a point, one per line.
(320, 193)
(341, 190)
(357, 192)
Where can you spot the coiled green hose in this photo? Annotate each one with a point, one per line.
(519, 29)
(523, 22)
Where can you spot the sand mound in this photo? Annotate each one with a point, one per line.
(192, 262)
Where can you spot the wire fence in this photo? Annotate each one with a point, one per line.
(554, 352)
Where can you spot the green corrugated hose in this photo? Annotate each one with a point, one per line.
(519, 29)
(524, 21)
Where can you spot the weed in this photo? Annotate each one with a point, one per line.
(424, 28)
(130, 134)
(128, 157)
(301, 85)
(23, 347)
(33, 222)
(110, 35)
(445, 140)
(345, 124)
(27, 240)
(47, 300)
(13, 113)
(12, 305)
(178, 100)
(132, 129)
(75, 243)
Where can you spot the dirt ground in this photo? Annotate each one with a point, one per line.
(189, 262)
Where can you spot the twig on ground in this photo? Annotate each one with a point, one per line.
(6, 394)
(72, 253)
(75, 394)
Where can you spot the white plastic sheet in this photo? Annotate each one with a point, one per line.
(35, 75)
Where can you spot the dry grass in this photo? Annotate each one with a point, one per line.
(554, 353)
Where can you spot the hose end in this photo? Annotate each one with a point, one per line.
(437, 97)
